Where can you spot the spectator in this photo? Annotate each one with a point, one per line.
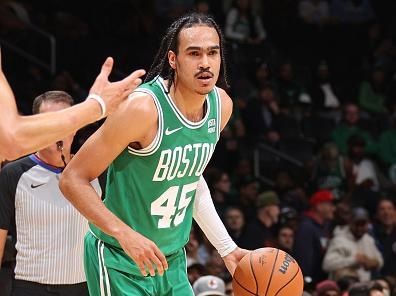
(243, 26)
(329, 171)
(209, 286)
(324, 93)
(220, 187)
(353, 250)
(350, 126)
(215, 265)
(372, 93)
(342, 217)
(387, 149)
(192, 248)
(195, 271)
(285, 239)
(291, 193)
(248, 191)
(364, 171)
(234, 221)
(246, 32)
(289, 217)
(312, 235)
(352, 11)
(314, 11)
(366, 289)
(261, 231)
(327, 288)
(384, 231)
(290, 91)
(260, 117)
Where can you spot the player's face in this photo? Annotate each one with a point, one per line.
(197, 63)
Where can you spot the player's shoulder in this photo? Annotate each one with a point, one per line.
(142, 103)
(225, 101)
(225, 98)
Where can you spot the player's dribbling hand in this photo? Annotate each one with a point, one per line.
(231, 260)
(144, 252)
(113, 93)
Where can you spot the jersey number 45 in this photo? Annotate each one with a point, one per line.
(165, 205)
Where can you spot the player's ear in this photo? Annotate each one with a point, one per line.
(172, 59)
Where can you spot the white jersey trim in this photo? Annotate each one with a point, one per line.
(155, 144)
(218, 101)
(179, 115)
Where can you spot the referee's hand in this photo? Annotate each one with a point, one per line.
(144, 252)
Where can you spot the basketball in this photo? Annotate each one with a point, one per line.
(268, 272)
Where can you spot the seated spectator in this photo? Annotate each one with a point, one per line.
(352, 11)
(350, 126)
(215, 265)
(329, 171)
(288, 217)
(195, 271)
(243, 26)
(324, 93)
(209, 285)
(263, 75)
(261, 115)
(220, 187)
(290, 91)
(366, 289)
(353, 250)
(261, 231)
(342, 217)
(373, 93)
(192, 248)
(312, 236)
(234, 221)
(327, 288)
(384, 231)
(291, 193)
(285, 239)
(314, 11)
(387, 149)
(248, 191)
(364, 171)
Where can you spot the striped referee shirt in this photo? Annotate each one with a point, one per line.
(49, 230)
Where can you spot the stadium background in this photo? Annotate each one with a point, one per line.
(314, 90)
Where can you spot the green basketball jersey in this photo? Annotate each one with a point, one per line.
(153, 189)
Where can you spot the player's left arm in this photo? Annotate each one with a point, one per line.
(205, 213)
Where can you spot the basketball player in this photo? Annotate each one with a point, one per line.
(20, 135)
(49, 231)
(157, 144)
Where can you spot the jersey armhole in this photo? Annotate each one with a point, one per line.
(218, 104)
(154, 145)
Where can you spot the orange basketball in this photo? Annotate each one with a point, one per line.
(268, 272)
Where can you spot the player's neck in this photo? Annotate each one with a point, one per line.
(189, 103)
(53, 159)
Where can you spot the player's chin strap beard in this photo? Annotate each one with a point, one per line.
(59, 144)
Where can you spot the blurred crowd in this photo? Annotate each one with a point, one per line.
(307, 163)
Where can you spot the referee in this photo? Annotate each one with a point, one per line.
(49, 231)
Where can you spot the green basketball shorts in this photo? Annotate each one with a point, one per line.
(110, 271)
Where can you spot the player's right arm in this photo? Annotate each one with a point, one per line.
(21, 135)
(132, 122)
